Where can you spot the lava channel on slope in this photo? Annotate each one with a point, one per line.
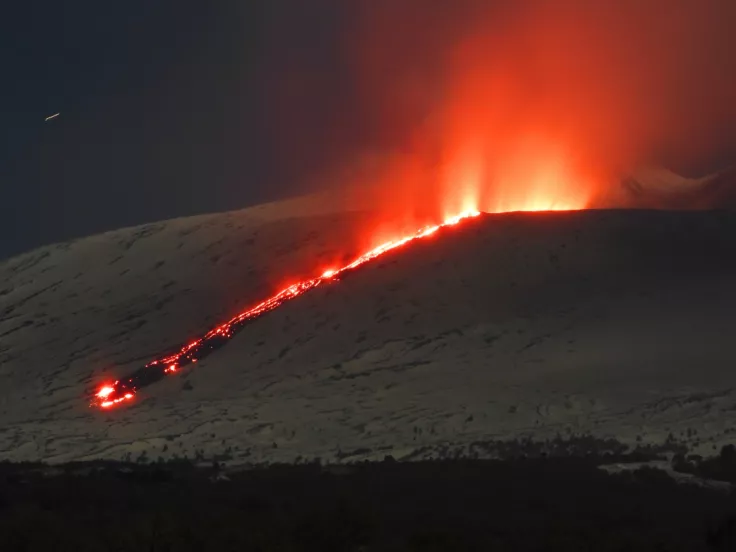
(123, 390)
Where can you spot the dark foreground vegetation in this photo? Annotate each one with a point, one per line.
(522, 504)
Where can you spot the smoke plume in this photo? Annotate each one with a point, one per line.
(537, 104)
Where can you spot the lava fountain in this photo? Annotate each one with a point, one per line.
(527, 106)
(552, 184)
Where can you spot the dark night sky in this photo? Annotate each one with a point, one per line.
(168, 108)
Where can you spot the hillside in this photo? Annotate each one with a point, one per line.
(615, 323)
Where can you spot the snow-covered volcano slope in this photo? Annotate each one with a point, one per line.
(653, 187)
(616, 323)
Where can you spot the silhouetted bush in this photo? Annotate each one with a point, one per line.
(720, 468)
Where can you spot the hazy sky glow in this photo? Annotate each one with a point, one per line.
(543, 104)
(175, 108)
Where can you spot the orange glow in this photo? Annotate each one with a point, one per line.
(110, 395)
(534, 105)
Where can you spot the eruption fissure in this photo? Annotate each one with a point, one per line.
(124, 390)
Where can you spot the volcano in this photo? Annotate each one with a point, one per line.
(615, 323)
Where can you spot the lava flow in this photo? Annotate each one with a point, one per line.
(124, 390)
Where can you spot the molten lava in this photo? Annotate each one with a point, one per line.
(120, 391)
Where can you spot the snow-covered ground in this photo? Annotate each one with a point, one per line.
(614, 323)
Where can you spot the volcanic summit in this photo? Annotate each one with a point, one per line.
(614, 323)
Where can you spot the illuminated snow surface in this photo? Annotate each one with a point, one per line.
(615, 323)
(115, 393)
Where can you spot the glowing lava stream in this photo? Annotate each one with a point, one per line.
(124, 390)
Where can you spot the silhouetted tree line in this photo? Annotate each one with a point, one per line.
(541, 502)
